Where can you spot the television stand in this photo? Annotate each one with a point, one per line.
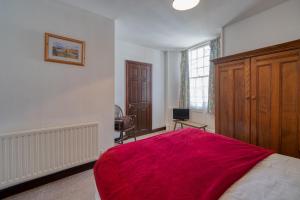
(190, 124)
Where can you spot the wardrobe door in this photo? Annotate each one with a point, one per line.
(233, 99)
(276, 102)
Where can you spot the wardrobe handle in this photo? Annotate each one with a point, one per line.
(253, 97)
(248, 98)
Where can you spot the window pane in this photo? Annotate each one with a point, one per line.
(206, 61)
(200, 52)
(207, 50)
(206, 71)
(199, 73)
(194, 55)
(200, 62)
(193, 72)
(194, 64)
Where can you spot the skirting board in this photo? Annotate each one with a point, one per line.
(22, 187)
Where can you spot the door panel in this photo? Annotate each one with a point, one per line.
(134, 91)
(289, 108)
(139, 94)
(265, 102)
(264, 91)
(233, 99)
(226, 116)
(241, 114)
(275, 103)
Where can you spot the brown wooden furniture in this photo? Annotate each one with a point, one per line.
(139, 94)
(189, 123)
(124, 124)
(258, 97)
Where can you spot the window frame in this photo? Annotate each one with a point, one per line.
(198, 75)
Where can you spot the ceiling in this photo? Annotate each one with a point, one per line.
(154, 23)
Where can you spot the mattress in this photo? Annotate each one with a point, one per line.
(275, 178)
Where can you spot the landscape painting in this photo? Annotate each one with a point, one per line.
(64, 50)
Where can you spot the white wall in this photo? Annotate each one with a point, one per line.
(127, 51)
(36, 94)
(204, 118)
(172, 84)
(276, 25)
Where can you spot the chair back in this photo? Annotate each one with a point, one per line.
(118, 112)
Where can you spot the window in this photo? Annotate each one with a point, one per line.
(199, 74)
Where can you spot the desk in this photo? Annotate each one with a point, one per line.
(189, 123)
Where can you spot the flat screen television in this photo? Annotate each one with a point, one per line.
(181, 114)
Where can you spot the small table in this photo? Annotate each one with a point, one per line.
(189, 123)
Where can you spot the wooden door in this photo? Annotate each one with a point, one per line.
(276, 102)
(139, 94)
(233, 99)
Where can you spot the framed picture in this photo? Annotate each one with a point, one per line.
(64, 50)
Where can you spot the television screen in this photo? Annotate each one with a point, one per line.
(181, 114)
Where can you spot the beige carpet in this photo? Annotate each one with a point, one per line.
(77, 187)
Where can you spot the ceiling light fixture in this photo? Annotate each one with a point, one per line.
(185, 4)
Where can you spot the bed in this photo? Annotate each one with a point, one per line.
(252, 173)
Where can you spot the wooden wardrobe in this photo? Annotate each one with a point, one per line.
(258, 97)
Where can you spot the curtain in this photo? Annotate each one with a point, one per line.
(184, 101)
(214, 53)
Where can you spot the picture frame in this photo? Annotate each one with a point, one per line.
(61, 49)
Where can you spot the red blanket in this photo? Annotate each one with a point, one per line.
(188, 164)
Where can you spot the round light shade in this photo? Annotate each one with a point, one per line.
(185, 4)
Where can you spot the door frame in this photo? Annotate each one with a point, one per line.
(127, 62)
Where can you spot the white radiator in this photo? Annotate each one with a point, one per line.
(31, 154)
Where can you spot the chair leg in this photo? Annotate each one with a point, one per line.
(122, 137)
(134, 132)
(175, 126)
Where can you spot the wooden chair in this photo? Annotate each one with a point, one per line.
(124, 124)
